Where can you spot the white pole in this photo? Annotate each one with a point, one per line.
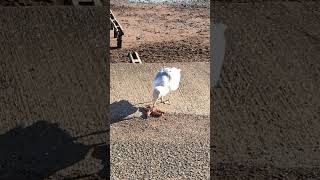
(217, 52)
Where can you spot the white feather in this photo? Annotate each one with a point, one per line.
(166, 80)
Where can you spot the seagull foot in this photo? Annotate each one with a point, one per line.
(166, 102)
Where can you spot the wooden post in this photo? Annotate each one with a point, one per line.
(119, 41)
(117, 30)
(115, 33)
(111, 25)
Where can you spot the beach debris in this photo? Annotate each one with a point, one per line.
(134, 57)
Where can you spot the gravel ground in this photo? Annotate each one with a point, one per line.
(265, 118)
(53, 123)
(174, 146)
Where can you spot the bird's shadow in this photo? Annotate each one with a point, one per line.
(39, 151)
(119, 110)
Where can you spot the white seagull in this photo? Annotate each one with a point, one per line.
(167, 80)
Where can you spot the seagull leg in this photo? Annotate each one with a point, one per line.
(154, 104)
(165, 102)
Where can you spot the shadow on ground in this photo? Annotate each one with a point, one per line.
(122, 109)
(103, 153)
(38, 151)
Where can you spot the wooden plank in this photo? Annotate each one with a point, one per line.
(134, 57)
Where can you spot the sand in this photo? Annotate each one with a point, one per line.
(265, 118)
(162, 32)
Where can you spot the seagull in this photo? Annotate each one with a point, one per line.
(167, 80)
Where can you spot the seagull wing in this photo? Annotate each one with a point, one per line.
(161, 79)
(175, 76)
